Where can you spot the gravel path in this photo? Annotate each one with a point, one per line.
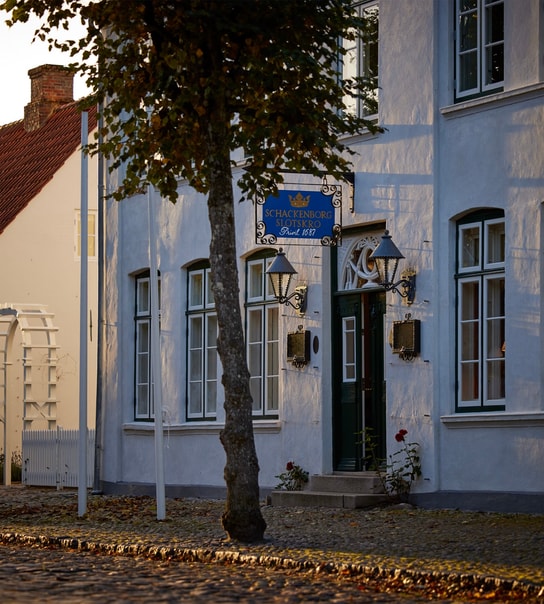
(453, 550)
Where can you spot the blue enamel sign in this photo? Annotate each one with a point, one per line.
(297, 214)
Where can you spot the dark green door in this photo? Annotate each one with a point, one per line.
(358, 384)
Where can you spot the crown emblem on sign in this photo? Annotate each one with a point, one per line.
(299, 201)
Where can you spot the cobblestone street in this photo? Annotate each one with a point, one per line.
(119, 552)
(43, 575)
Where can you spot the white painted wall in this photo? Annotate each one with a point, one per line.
(434, 162)
(40, 267)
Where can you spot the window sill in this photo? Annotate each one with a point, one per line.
(493, 419)
(144, 428)
(363, 136)
(493, 101)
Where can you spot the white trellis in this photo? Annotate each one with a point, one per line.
(39, 360)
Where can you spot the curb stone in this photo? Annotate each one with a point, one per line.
(465, 581)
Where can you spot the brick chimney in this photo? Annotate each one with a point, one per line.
(50, 87)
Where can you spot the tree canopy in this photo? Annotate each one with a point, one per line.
(162, 65)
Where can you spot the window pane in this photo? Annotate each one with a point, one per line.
(195, 331)
(470, 247)
(211, 331)
(211, 397)
(468, 31)
(470, 300)
(196, 289)
(494, 64)
(495, 242)
(142, 400)
(495, 297)
(255, 336)
(349, 71)
(195, 364)
(495, 338)
(468, 72)
(370, 59)
(470, 341)
(469, 382)
(255, 326)
(495, 380)
(272, 393)
(142, 299)
(272, 324)
(142, 369)
(494, 23)
(465, 5)
(195, 399)
(211, 365)
(255, 389)
(142, 336)
(255, 280)
(348, 345)
(254, 361)
(209, 293)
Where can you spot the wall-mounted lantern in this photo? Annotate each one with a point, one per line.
(280, 273)
(387, 256)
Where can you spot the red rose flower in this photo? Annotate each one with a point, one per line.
(289, 466)
(399, 437)
(403, 432)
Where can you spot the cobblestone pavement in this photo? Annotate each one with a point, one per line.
(438, 555)
(30, 575)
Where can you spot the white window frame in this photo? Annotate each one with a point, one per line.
(481, 12)
(349, 349)
(262, 310)
(358, 53)
(203, 364)
(486, 357)
(143, 391)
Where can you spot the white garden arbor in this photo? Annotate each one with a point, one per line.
(28, 372)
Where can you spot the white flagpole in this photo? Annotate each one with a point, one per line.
(83, 307)
(156, 373)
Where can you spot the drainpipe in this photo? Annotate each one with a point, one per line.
(97, 486)
(83, 310)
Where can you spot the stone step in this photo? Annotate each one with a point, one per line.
(326, 499)
(347, 482)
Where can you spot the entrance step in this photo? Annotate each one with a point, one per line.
(339, 490)
(346, 482)
(327, 499)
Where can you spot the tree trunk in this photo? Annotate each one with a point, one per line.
(242, 518)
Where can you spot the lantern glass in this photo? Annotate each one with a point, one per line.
(280, 273)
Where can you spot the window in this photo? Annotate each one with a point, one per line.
(91, 235)
(143, 387)
(479, 47)
(361, 61)
(262, 315)
(481, 346)
(203, 367)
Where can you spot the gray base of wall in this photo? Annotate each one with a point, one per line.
(172, 491)
(481, 501)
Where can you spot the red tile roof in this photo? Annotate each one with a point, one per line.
(29, 160)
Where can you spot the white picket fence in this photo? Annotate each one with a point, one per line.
(51, 458)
